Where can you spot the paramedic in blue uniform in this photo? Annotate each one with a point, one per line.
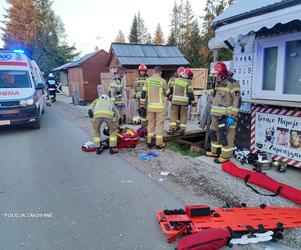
(52, 85)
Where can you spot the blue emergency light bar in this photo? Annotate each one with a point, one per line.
(20, 51)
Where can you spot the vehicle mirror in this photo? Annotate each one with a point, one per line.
(40, 86)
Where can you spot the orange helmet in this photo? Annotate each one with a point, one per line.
(142, 67)
(189, 73)
(180, 71)
(221, 69)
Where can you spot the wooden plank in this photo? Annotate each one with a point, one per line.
(191, 134)
(200, 78)
(199, 145)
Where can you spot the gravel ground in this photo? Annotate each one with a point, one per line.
(193, 181)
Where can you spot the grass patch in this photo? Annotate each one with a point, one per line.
(182, 149)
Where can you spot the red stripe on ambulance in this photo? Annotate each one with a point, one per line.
(9, 93)
(13, 64)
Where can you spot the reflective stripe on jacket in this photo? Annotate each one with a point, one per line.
(154, 92)
(103, 108)
(139, 83)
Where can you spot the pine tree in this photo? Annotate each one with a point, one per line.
(181, 27)
(148, 39)
(181, 20)
(33, 25)
(143, 35)
(159, 38)
(193, 44)
(134, 35)
(188, 17)
(120, 37)
(188, 25)
(19, 24)
(173, 38)
(213, 8)
(138, 31)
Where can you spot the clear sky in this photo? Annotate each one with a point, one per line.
(91, 23)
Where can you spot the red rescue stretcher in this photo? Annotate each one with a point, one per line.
(264, 181)
(193, 219)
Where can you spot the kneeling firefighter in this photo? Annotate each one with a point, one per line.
(225, 108)
(103, 110)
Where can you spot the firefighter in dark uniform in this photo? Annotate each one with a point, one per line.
(225, 108)
(52, 85)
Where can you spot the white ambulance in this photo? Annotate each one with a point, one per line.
(22, 99)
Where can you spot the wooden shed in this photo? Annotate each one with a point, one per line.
(130, 56)
(86, 73)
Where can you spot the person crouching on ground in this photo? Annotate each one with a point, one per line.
(103, 110)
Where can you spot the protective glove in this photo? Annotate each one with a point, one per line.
(230, 121)
(194, 104)
(90, 113)
(143, 113)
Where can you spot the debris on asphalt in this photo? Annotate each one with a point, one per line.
(164, 173)
(144, 157)
(152, 154)
(128, 181)
(149, 155)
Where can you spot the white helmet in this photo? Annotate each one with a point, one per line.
(51, 75)
(105, 97)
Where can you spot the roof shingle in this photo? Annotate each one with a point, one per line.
(151, 55)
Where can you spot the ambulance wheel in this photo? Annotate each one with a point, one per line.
(133, 146)
(37, 124)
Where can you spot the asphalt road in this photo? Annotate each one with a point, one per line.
(53, 196)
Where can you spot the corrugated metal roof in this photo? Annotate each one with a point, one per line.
(245, 6)
(75, 63)
(135, 54)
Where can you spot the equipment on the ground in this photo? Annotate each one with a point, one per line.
(213, 239)
(264, 181)
(127, 138)
(142, 132)
(136, 119)
(88, 147)
(242, 223)
(242, 156)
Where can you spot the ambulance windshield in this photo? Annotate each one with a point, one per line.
(14, 79)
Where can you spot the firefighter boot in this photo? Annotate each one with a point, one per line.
(211, 154)
(161, 146)
(171, 131)
(113, 150)
(221, 160)
(152, 144)
(99, 150)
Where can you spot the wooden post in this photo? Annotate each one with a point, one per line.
(210, 98)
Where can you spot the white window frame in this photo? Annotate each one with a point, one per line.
(280, 43)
